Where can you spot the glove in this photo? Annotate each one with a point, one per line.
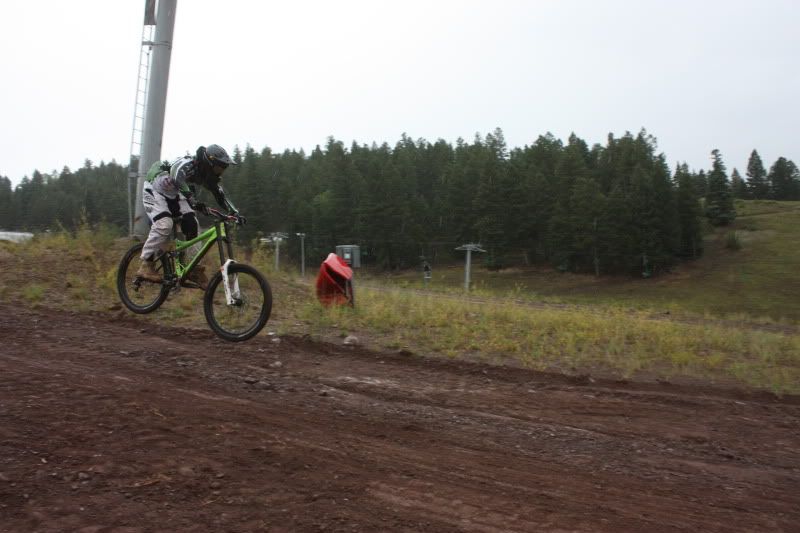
(240, 219)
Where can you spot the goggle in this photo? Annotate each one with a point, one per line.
(216, 163)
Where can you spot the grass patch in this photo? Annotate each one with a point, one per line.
(618, 341)
(77, 265)
(33, 293)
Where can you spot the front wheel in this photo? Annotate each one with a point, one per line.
(251, 307)
(138, 295)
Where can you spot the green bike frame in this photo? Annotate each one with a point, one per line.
(208, 238)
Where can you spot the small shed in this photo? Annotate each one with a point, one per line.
(350, 253)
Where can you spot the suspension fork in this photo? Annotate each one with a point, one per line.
(222, 235)
(230, 284)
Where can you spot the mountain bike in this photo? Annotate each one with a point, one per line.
(238, 300)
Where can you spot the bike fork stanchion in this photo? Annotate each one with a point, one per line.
(232, 294)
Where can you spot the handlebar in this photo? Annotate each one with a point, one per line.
(224, 217)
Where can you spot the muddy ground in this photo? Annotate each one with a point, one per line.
(110, 423)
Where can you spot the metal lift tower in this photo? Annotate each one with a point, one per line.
(151, 103)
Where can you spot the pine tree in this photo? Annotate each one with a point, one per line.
(490, 203)
(689, 211)
(719, 201)
(738, 186)
(560, 234)
(700, 184)
(571, 165)
(6, 204)
(587, 206)
(462, 181)
(757, 177)
(536, 165)
(654, 221)
(561, 230)
(794, 180)
(35, 211)
(667, 220)
(784, 180)
(437, 162)
(241, 188)
(619, 248)
(345, 184)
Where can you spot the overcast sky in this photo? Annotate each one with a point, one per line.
(697, 75)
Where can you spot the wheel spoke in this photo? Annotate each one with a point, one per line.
(139, 295)
(250, 309)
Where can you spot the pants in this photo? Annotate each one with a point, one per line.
(161, 211)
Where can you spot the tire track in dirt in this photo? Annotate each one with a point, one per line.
(149, 427)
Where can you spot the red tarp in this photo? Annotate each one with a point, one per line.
(333, 273)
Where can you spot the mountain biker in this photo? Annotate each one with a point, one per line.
(171, 193)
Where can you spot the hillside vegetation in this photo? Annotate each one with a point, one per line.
(607, 209)
(749, 271)
(730, 317)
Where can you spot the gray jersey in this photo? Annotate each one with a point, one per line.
(185, 170)
(171, 183)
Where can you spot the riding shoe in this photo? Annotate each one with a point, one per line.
(147, 270)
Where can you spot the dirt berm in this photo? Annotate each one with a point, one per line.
(112, 424)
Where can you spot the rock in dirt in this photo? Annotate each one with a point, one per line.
(351, 340)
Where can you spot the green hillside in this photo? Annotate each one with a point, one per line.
(760, 280)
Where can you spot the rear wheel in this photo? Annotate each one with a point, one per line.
(138, 295)
(251, 307)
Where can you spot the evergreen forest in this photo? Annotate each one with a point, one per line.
(613, 209)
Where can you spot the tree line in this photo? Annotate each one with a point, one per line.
(605, 209)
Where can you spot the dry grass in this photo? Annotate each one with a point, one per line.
(77, 271)
(611, 341)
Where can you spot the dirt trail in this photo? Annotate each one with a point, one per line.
(113, 424)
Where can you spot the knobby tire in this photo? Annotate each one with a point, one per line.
(233, 322)
(128, 292)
